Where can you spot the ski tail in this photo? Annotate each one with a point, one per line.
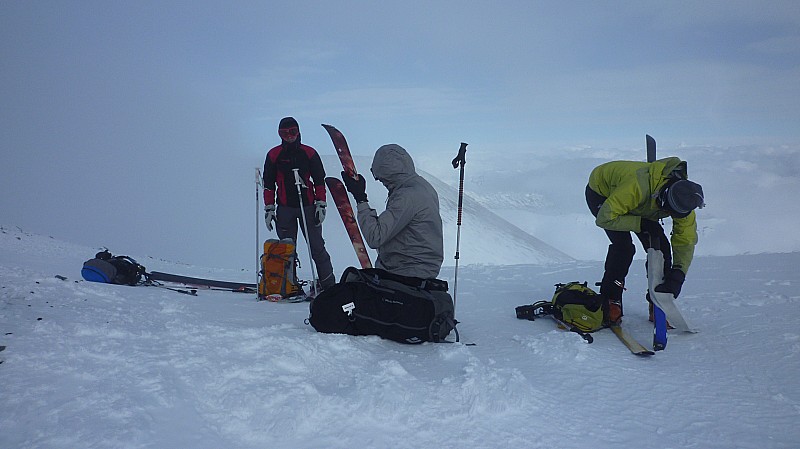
(634, 346)
(651, 148)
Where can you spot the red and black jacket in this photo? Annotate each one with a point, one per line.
(278, 171)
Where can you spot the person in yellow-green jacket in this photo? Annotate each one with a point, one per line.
(630, 196)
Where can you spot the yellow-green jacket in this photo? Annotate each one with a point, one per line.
(631, 189)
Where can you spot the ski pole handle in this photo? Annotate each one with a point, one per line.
(297, 180)
(461, 158)
(460, 161)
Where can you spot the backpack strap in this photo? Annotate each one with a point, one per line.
(532, 311)
(437, 324)
(374, 275)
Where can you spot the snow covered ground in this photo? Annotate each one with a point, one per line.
(95, 365)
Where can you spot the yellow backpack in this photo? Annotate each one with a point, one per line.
(279, 270)
(578, 305)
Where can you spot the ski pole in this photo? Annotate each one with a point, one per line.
(459, 160)
(585, 335)
(299, 183)
(258, 241)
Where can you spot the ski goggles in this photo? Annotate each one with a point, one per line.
(289, 133)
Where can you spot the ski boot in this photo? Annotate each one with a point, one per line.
(614, 312)
(612, 301)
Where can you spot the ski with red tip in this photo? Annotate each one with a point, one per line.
(342, 150)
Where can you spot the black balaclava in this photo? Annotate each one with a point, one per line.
(289, 122)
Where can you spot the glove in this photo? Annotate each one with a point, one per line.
(673, 281)
(319, 212)
(357, 187)
(651, 227)
(269, 216)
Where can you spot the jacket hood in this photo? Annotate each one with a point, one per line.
(392, 165)
(662, 171)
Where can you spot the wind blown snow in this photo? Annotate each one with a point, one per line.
(97, 365)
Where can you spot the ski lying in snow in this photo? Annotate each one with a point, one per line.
(199, 282)
(545, 308)
(339, 194)
(634, 346)
(276, 297)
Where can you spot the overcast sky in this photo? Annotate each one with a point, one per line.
(129, 110)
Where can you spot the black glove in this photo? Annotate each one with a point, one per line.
(357, 187)
(651, 227)
(673, 281)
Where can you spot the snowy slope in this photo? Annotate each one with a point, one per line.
(94, 365)
(484, 232)
(486, 238)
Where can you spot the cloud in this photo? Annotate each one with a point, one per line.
(392, 101)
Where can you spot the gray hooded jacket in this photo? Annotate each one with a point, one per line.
(408, 234)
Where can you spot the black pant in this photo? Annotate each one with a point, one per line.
(621, 251)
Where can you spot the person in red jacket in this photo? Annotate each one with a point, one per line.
(280, 186)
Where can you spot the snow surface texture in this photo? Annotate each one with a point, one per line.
(96, 365)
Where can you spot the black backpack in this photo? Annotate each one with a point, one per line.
(110, 269)
(376, 302)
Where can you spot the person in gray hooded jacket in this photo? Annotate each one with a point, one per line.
(408, 234)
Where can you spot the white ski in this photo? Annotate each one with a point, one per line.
(665, 301)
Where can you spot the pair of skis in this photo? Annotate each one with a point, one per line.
(339, 194)
(665, 312)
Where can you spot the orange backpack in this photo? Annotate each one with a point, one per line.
(279, 269)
